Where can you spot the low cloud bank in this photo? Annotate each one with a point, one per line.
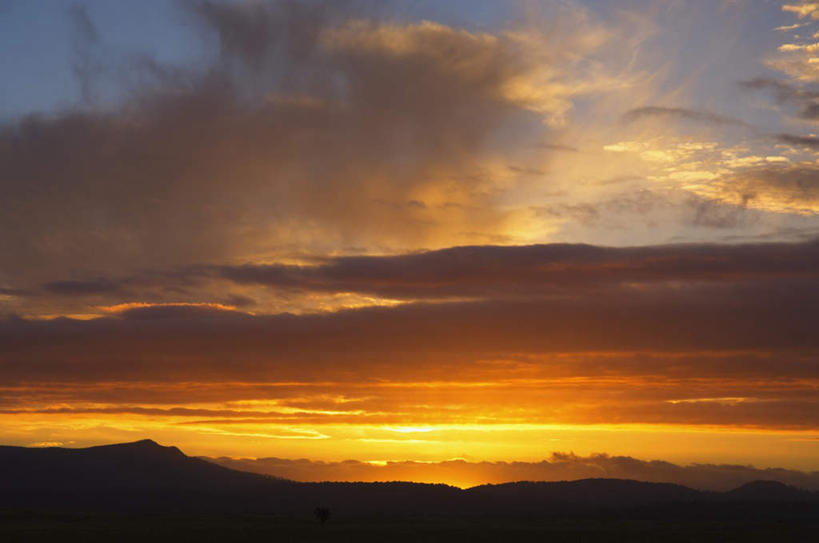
(561, 466)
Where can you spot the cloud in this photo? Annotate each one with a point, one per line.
(81, 288)
(785, 28)
(178, 310)
(698, 334)
(86, 67)
(559, 147)
(477, 273)
(560, 467)
(286, 142)
(803, 10)
(488, 272)
(177, 344)
(700, 116)
(788, 94)
(716, 214)
(472, 273)
(779, 189)
(537, 299)
(12, 292)
(796, 59)
(204, 228)
(803, 141)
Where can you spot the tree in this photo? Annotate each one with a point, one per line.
(322, 514)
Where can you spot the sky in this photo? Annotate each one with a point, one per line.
(465, 233)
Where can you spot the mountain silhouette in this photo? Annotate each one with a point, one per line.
(609, 492)
(139, 465)
(768, 491)
(145, 476)
(139, 475)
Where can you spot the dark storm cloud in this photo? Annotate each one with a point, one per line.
(695, 115)
(281, 143)
(478, 272)
(488, 271)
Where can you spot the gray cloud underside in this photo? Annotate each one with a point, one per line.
(709, 322)
(560, 467)
(176, 342)
(489, 271)
(503, 299)
(719, 321)
(804, 141)
(503, 272)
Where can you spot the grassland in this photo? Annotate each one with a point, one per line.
(27, 526)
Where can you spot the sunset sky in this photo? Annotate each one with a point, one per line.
(412, 230)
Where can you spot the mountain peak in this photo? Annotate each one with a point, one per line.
(144, 443)
(143, 446)
(149, 444)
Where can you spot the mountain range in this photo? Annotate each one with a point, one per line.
(146, 477)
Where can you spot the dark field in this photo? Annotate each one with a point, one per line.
(64, 527)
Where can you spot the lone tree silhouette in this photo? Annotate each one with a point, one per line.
(322, 514)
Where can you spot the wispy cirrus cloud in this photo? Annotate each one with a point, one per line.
(686, 114)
